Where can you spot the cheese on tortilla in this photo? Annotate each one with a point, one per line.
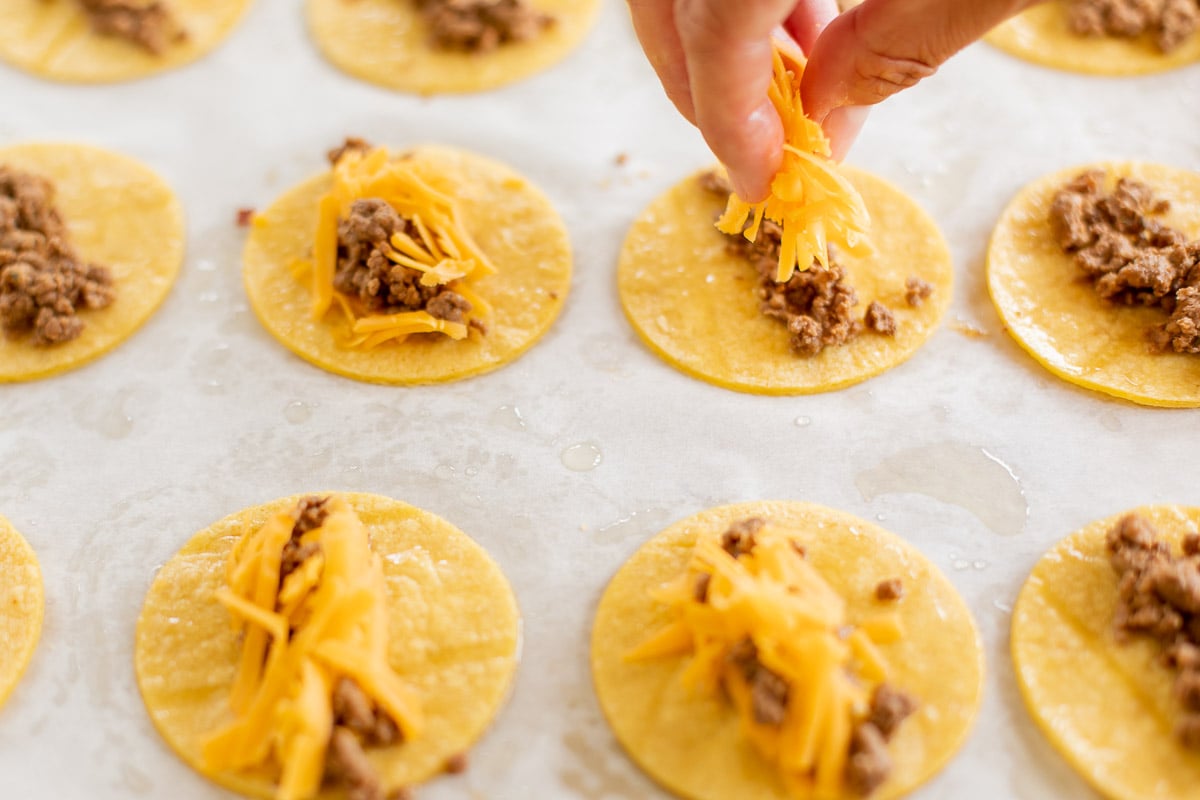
(504, 216)
(693, 303)
(452, 633)
(694, 744)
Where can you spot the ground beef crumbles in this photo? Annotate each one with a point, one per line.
(816, 305)
(43, 283)
(364, 271)
(1159, 597)
(1169, 22)
(480, 26)
(150, 26)
(1129, 255)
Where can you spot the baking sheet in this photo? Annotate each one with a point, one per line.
(970, 450)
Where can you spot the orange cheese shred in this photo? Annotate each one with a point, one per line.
(326, 620)
(810, 200)
(773, 599)
(441, 249)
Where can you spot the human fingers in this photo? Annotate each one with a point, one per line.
(884, 46)
(654, 22)
(727, 46)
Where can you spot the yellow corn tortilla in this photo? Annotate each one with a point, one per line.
(691, 743)
(694, 304)
(21, 607)
(53, 39)
(120, 215)
(1106, 707)
(510, 219)
(1041, 35)
(1060, 320)
(386, 42)
(454, 633)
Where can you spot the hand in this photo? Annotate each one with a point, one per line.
(714, 60)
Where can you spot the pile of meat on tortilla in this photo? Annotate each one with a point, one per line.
(1131, 257)
(43, 281)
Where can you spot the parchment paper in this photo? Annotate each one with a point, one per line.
(970, 450)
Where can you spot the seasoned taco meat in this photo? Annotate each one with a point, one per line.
(149, 25)
(480, 26)
(1129, 255)
(43, 283)
(1159, 597)
(1169, 22)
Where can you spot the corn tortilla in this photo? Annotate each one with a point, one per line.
(1041, 34)
(510, 219)
(53, 39)
(121, 215)
(1062, 322)
(22, 606)
(454, 633)
(386, 42)
(691, 744)
(1108, 708)
(694, 305)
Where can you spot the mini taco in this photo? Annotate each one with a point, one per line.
(90, 244)
(21, 607)
(1106, 646)
(432, 266)
(334, 643)
(709, 304)
(1095, 271)
(1103, 37)
(105, 41)
(785, 650)
(448, 46)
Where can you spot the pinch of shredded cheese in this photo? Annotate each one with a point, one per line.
(798, 624)
(809, 199)
(442, 249)
(326, 621)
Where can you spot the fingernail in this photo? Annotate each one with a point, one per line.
(842, 126)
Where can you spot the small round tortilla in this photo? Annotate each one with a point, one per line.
(1056, 315)
(387, 43)
(53, 39)
(120, 215)
(693, 303)
(512, 222)
(453, 623)
(691, 744)
(1115, 725)
(21, 607)
(1041, 35)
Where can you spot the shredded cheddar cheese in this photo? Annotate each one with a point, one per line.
(771, 602)
(810, 200)
(325, 620)
(442, 250)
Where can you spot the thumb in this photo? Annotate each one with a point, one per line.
(884, 46)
